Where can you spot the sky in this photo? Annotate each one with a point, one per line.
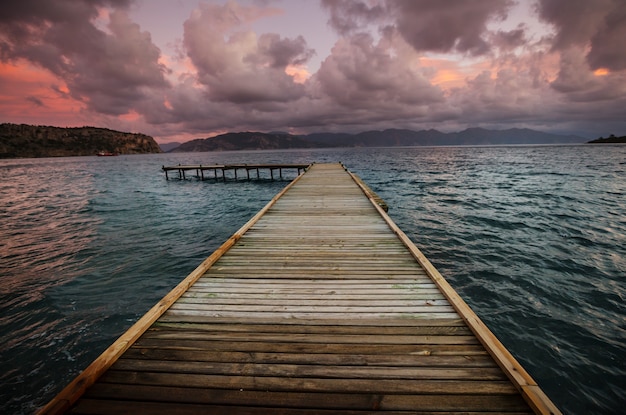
(182, 69)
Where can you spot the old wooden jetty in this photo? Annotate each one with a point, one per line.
(201, 169)
(319, 304)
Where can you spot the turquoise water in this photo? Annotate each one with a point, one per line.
(534, 238)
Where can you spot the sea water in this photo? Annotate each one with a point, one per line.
(532, 237)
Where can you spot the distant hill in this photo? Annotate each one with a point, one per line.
(609, 140)
(246, 141)
(165, 147)
(21, 140)
(386, 138)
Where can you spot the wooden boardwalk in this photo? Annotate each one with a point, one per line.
(223, 168)
(318, 305)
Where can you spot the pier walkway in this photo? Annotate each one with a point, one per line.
(200, 169)
(318, 305)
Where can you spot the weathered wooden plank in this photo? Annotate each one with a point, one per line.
(304, 307)
(326, 324)
(288, 371)
(260, 283)
(313, 349)
(310, 337)
(239, 291)
(218, 402)
(385, 386)
(339, 297)
(391, 327)
(337, 359)
(264, 301)
(303, 315)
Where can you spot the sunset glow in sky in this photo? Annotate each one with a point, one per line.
(182, 69)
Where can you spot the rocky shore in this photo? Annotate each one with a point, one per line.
(609, 140)
(21, 140)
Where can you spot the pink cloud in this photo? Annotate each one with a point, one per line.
(236, 65)
(28, 90)
(361, 74)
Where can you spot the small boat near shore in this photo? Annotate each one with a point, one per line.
(106, 154)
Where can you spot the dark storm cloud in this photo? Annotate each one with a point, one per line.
(600, 24)
(348, 16)
(427, 25)
(35, 100)
(362, 74)
(589, 35)
(35, 11)
(281, 52)
(238, 66)
(448, 26)
(108, 70)
(607, 44)
(575, 21)
(510, 39)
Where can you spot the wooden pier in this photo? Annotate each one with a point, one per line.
(200, 169)
(318, 305)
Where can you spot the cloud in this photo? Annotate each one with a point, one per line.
(401, 63)
(427, 25)
(361, 74)
(607, 44)
(509, 40)
(575, 21)
(582, 85)
(108, 70)
(448, 26)
(349, 16)
(35, 100)
(235, 65)
(598, 26)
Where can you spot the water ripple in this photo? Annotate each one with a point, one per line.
(534, 238)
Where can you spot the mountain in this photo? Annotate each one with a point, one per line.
(386, 138)
(165, 147)
(246, 141)
(397, 137)
(470, 136)
(21, 140)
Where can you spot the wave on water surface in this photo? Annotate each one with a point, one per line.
(533, 238)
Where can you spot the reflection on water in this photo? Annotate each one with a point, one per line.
(534, 238)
